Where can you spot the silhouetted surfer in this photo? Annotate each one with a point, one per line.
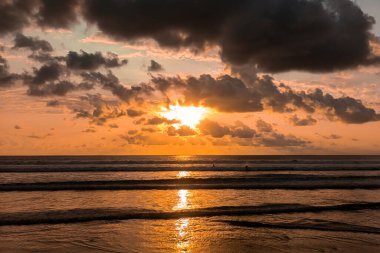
(246, 167)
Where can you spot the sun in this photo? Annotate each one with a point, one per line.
(187, 115)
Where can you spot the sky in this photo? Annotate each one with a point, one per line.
(187, 77)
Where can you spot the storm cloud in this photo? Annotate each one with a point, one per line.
(275, 35)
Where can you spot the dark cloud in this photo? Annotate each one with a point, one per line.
(254, 94)
(39, 137)
(98, 110)
(276, 35)
(132, 132)
(92, 61)
(148, 129)
(180, 131)
(155, 66)
(43, 57)
(347, 109)
(264, 135)
(60, 88)
(48, 72)
(113, 125)
(15, 14)
(17, 127)
(332, 137)
(6, 78)
(263, 127)
(281, 140)
(269, 137)
(308, 121)
(57, 13)
(112, 83)
(89, 130)
(32, 43)
(53, 103)
(159, 120)
(239, 130)
(134, 113)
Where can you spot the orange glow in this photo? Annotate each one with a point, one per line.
(187, 115)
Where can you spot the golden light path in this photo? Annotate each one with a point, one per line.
(182, 224)
(187, 115)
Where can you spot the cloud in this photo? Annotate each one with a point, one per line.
(269, 137)
(113, 125)
(159, 120)
(92, 61)
(60, 88)
(155, 66)
(281, 140)
(181, 131)
(98, 110)
(89, 130)
(332, 137)
(275, 35)
(263, 127)
(34, 44)
(112, 83)
(17, 127)
(15, 15)
(239, 130)
(254, 94)
(53, 103)
(39, 137)
(134, 113)
(308, 121)
(47, 72)
(57, 13)
(6, 78)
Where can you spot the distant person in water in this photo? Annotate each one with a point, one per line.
(246, 167)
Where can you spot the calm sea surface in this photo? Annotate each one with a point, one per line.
(190, 204)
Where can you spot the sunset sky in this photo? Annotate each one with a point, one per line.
(187, 77)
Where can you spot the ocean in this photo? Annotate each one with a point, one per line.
(190, 204)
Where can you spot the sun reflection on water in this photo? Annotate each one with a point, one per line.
(182, 225)
(182, 199)
(183, 174)
(183, 234)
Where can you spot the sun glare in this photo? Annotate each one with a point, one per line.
(186, 115)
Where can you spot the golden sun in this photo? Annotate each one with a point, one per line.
(186, 115)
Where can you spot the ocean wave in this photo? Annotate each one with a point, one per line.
(272, 181)
(307, 224)
(86, 215)
(177, 167)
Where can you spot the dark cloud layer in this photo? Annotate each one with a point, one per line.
(112, 83)
(92, 61)
(277, 35)
(34, 44)
(232, 94)
(308, 121)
